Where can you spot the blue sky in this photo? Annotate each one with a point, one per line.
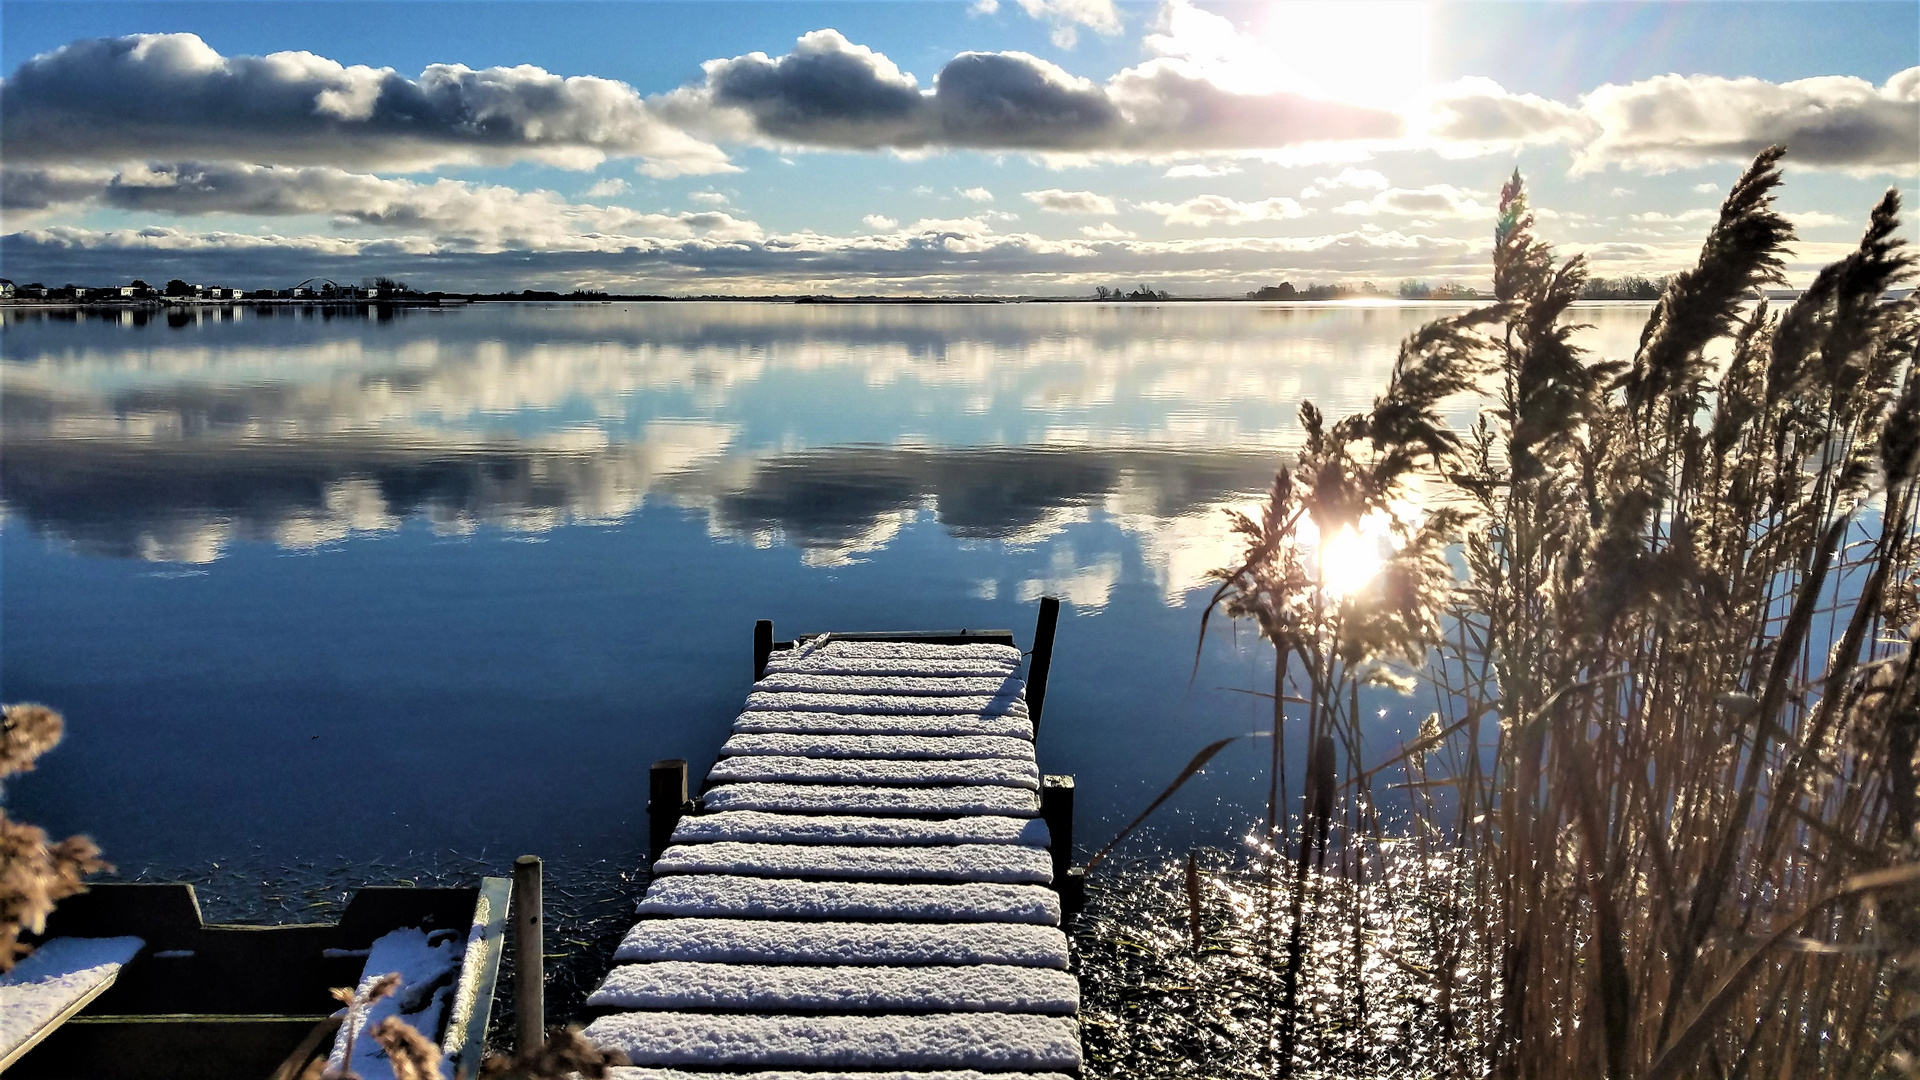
(1025, 146)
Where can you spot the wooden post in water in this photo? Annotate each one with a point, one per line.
(666, 801)
(1073, 892)
(762, 647)
(1042, 658)
(1056, 809)
(529, 957)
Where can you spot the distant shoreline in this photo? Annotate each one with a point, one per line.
(450, 300)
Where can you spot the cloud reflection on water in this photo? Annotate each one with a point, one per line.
(827, 429)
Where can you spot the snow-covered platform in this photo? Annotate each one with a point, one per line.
(865, 888)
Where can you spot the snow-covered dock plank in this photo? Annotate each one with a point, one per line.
(729, 896)
(52, 983)
(766, 941)
(833, 723)
(885, 704)
(876, 771)
(785, 663)
(756, 827)
(939, 1041)
(918, 801)
(898, 685)
(636, 1073)
(983, 988)
(796, 744)
(1007, 864)
(904, 652)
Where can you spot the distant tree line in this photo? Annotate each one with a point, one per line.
(1631, 287)
(1286, 290)
(1144, 292)
(1420, 290)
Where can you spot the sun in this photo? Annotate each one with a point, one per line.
(1347, 560)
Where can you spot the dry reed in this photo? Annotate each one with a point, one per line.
(1672, 758)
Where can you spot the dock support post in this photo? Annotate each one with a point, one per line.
(1056, 809)
(1073, 892)
(762, 647)
(666, 801)
(529, 957)
(1042, 658)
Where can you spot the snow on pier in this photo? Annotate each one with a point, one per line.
(868, 890)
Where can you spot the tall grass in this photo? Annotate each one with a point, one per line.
(1663, 606)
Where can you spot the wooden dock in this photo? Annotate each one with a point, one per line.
(868, 880)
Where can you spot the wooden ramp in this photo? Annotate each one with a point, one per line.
(868, 889)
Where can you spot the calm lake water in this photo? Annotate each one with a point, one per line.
(398, 590)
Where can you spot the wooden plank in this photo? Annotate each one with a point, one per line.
(47, 988)
(766, 941)
(729, 896)
(913, 801)
(1006, 864)
(754, 826)
(767, 988)
(472, 1006)
(946, 1040)
(888, 772)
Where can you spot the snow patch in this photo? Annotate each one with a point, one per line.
(766, 941)
(968, 1040)
(894, 665)
(1007, 864)
(1021, 774)
(791, 744)
(885, 704)
(427, 970)
(632, 1073)
(52, 978)
(753, 826)
(986, 988)
(902, 685)
(771, 898)
(1006, 725)
(921, 801)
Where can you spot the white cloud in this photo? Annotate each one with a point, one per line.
(711, 198)
(1209, 210)
(1698, 213)
(1355, 179)
(1432, 201)
(1067, 16)
(1708, 188)
(1679, 121)
(1070, 202)
(1817, 219)
(172, 96)
(984, 7)
(831, 93)
(1106, 230)
(606, 189)
(481, 217)
(976, 194)
(1476, 115)
(1200, 171)
(880, 222)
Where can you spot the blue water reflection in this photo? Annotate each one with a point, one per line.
(331, 585)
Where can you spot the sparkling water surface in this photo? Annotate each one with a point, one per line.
(375, 593)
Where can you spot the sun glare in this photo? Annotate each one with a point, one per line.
(1347, 560)
(1364, 52)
